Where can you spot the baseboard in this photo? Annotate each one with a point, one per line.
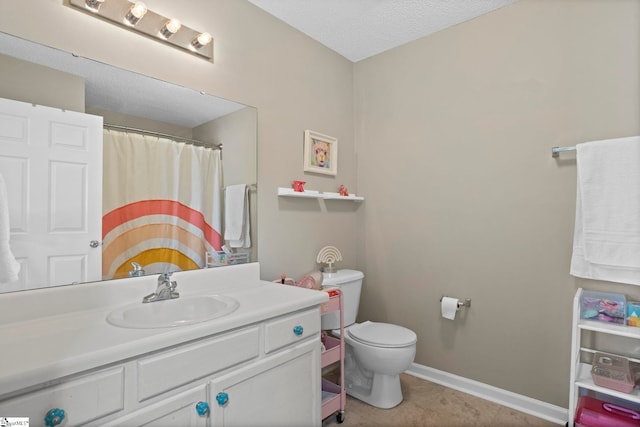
(537, 408)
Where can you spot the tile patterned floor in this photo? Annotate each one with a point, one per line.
(428, 404)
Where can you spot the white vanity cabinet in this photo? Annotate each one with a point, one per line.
(262, 373)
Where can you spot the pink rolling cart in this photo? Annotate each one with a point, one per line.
(334, 395)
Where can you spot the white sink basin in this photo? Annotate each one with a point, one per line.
(175, 312)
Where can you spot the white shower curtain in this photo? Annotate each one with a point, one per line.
(161, 204)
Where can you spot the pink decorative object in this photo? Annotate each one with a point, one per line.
(299, 186)
(343, 190)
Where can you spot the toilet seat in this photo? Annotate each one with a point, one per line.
(382, 335)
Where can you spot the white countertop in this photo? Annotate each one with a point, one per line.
(72, 338)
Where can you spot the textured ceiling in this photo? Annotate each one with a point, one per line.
(358, 29)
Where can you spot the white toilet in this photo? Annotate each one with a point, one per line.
(376, 353)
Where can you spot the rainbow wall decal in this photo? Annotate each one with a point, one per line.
(160, 235)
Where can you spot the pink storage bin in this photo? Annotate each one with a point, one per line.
(592, 412)
(612, 371)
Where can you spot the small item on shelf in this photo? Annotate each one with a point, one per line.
(311, 280)
(612, 371)
(603, 306)
(592, 412)
(284, 280)
(343, 190)
(633, 313)
(298, 186)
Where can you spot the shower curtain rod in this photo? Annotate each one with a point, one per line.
(212, 145)
(555, 151)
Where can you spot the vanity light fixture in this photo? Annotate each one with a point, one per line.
(135, 16)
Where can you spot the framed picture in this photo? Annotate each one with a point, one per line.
(320, 153)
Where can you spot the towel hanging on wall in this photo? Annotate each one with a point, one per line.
(607, 228)
(237, 221)
(9, 267)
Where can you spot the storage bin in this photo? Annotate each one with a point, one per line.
(592, 412)
(633, 313)
(603, 306)
(612, 371)
(217, 259)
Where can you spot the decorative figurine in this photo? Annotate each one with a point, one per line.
(298, 186)
(343, 190)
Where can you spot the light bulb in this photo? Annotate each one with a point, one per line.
(202, 39)
(136, 12)
(94, 5)
(170, 28)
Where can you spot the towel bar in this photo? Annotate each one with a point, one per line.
(555, 151)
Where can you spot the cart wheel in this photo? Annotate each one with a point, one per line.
(340, 417)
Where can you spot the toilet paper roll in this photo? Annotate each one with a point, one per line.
(449, 307)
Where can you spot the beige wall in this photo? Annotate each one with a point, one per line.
(454, 135)
(237, 133)
(28, 82)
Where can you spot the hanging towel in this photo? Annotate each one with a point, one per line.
(237, 222)
(9, 267)
(607, 229)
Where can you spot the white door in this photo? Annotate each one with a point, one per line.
(51, 161)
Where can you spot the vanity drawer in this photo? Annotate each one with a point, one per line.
(83, 399)
(287, 330)
(162, 372)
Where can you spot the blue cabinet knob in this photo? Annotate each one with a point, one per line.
(298, 330)
(202, 408)
(222, 398)
(54, 417)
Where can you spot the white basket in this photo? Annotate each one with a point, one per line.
(220, 258)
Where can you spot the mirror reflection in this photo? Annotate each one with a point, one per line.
(112, 174)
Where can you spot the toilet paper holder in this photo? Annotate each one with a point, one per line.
(465, 303)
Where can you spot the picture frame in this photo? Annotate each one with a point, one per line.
(320, 153)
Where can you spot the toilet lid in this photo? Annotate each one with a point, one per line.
(382, 334)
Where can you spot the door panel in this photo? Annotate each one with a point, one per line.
(51, 161)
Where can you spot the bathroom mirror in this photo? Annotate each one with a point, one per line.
(134, 101)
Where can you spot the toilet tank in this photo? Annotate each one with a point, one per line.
(350, 283)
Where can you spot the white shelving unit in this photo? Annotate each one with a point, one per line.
(581, 372)
(312, 194)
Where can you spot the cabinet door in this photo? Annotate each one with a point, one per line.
(282, 390)
(178, 410)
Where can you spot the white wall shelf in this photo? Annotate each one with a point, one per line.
(312, 194)
(337, 196)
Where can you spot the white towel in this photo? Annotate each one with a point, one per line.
(9, 267)
(606, 242)
(237, 228)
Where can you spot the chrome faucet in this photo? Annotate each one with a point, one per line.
(137, 270)
(166, 289)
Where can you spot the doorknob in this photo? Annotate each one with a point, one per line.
(94, 243)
